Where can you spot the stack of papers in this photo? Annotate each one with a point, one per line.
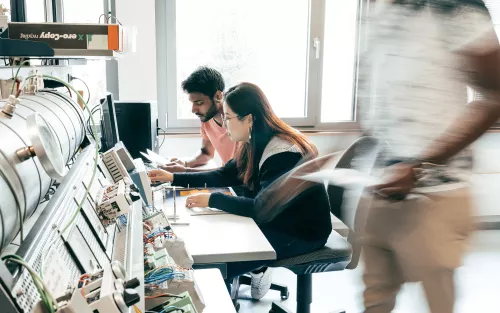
(155, 158)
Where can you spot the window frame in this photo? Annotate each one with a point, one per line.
(167, 73)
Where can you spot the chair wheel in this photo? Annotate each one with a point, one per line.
(285, 295)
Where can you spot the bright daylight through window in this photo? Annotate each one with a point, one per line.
(270, 43)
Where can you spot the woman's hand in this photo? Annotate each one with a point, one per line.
(160, 176)
(198, 201)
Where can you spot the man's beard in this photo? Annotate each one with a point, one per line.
(210, 113)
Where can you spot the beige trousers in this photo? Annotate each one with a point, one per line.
(421, 239)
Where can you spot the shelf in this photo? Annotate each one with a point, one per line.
(85, 54)
(40, 50)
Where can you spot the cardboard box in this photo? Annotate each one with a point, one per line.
(71, 36)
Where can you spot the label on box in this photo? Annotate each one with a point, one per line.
(68, 36)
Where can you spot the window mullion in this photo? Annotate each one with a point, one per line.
(316, 32)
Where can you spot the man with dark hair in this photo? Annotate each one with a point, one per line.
(205, 87)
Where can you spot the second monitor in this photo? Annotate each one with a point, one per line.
(137, 126)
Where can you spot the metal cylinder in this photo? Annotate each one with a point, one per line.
(24, 183)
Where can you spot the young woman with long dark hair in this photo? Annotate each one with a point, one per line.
(268, 148)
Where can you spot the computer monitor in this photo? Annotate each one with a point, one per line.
(137, 125)
(109, 128)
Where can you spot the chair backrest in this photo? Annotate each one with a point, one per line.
(361, 156)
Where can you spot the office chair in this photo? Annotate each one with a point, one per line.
(338, 253)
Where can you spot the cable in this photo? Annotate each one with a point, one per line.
(88, 89)
(123, 219)
(105, 18)
(163, 137)
(160, 275)
(171, 309)
(116, 20)
(45, 294)
(94, 110)
(168, 295)
(17, 73)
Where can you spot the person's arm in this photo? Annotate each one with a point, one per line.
(225, 176)
(205, 154)
(479, 115)
(483, 65)
(274, 167)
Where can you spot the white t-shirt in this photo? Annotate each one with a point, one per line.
(413, 77)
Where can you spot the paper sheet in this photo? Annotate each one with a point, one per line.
(181, 201)
(158, 158)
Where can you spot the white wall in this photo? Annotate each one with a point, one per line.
(137, 70)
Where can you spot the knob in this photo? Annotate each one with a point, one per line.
(132, 284)
(134, 196)
(131, 297)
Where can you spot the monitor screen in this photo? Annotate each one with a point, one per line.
(109, 128)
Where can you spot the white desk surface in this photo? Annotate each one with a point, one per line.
(214, 291)
(221, 238)
(224, 238)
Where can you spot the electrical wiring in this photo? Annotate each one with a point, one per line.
(84, 279)
(168, 234)
(43, 290)
(167, 295)
(171, 308)
(123, 219)
(116, 19)
(159, 275)
(17, 73)
(146, 225)
(89, 128)
(163, 141)
(105, 18)
(87, 86)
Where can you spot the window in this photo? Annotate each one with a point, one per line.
(339, 60)
(35, 11)
(94, 72)
(276, 44)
